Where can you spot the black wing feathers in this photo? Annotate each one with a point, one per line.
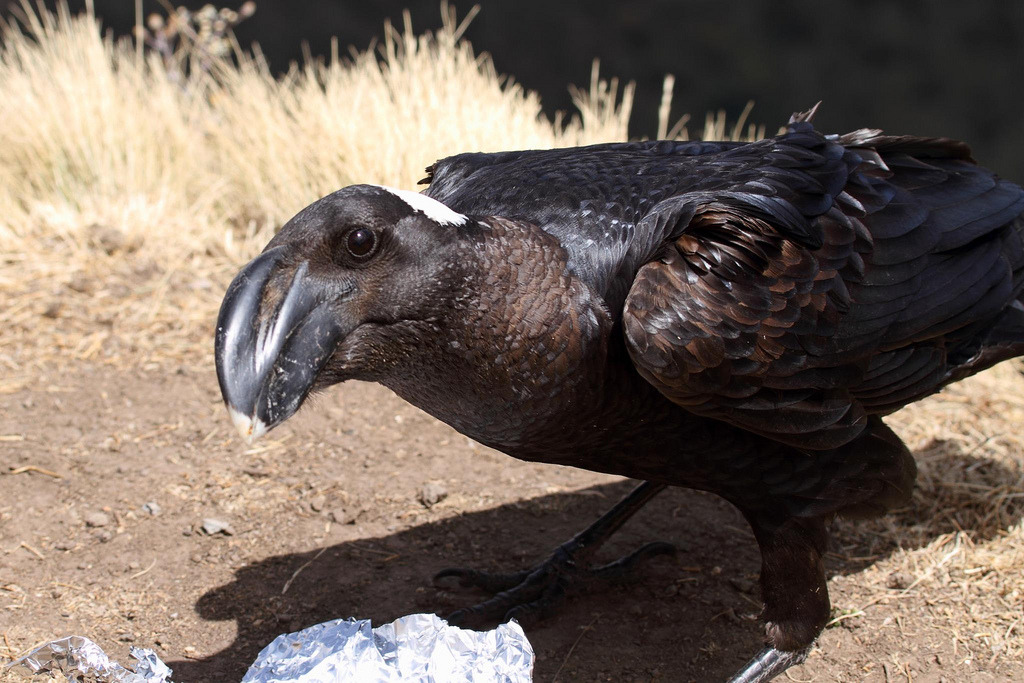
(845, 288)
(791, 286)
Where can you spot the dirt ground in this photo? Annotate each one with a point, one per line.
(326, 521)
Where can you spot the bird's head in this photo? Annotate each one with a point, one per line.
(337, 294)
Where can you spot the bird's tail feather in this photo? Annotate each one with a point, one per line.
(866, 477)
(1002, 340)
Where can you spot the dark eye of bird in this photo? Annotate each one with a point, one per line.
(361, 242)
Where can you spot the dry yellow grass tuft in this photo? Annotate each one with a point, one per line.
(130, 188)
(131, 184)
(128, 198)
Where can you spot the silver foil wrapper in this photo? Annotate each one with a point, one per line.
(418, 647)
(81, 660)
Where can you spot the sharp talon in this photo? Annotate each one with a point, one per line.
(461, 577)
(648, 551)
(473, 578)
(621, 569)
(440, 579)
(539, 609)
(457, 618)
(660, 548)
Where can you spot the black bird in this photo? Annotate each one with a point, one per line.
(731, 317)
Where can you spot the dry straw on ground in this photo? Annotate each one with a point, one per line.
(128, 197)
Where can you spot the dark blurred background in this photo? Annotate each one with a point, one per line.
(910, 66)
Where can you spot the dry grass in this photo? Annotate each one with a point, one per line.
(955, 557)
(128, 192)
(128, 198)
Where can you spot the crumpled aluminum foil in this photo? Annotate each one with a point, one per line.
(82, 660)
(417, 647)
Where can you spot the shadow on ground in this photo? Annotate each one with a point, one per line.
(692, 617)
(679, 616)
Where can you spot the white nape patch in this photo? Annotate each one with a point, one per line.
(433, 209)
(250, 428)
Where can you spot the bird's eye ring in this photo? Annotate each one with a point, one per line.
(361, 242)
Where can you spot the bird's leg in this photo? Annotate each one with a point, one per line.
(796, 604)
(535, 593)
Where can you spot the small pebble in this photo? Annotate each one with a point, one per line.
(337, 516)
(152, 507)
(108, 238)
(97, 519)
(431, 494)
(80, 283)
(52, 309)
(899, 580)
(215, 526)
(317, 503)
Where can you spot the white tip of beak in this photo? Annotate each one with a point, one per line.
(251, 428)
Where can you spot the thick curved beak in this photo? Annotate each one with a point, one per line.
(267, 361)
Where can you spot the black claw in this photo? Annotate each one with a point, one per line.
(535, 594)
(622, 568)
(457, 618)
(495, 609)
(485, 581)
(540, 609)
